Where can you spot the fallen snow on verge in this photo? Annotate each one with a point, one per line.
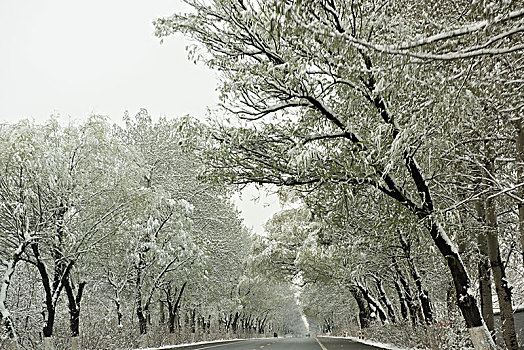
(369, 342)
(191, 344)
(218, 341)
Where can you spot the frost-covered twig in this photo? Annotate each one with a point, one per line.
(468, 29)
(406, 49)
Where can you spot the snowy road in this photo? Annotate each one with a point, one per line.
(285, 344)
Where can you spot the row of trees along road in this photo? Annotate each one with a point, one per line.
(397, 127)
(396, 123)
(110, 240)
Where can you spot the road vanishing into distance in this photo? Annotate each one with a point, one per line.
(284, 344)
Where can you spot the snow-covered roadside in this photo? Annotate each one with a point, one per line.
(199, 343)
(369, 342)
(192, 344)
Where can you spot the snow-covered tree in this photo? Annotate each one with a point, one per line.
(343, 92)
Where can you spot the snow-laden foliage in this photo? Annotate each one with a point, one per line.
(104, 226)
(407, 99)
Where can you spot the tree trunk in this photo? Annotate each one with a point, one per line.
(49, 321)
(262, 325)
(413, 307)
(519, 156)
(193, 321)
(179, 297)
(116, 300)
(466, 301)
(73, 302)
(499, 276)
(171, 309)
(162, 312)
(402, 301)
(172, 318)
(465, 298)
(234, 325)
(374, 305)
(140, 312)
(364, 313)
(424, 211)
(497, 266)
(62, 268)
(422, 293)
(119, 314)
(385, 300)
(486, 299)
(142, 320)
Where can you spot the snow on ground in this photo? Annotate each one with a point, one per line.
(191, 344)
(370, 342)
(199, 343)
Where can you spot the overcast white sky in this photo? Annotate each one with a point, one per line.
(76, 58)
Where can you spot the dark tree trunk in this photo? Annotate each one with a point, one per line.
(413, 307)
(119, 314)
(193, 321)
(262, 325)
(162, 312)
(140, 312)
(466, 300)
(73, 302)
(49, 322)
(203, 323)
(171, 326)
(229, 319)
(51, 289)
(423, 296)
(501, 283)
(142, 319)
(424, 211)
(173, 305)
(422, 293)
(484, 268)
(62, 268)
(364, 313)
(385, 301)
(402, 301)
(141, 309)
(373, 303)
(116, 299)
(234, 324)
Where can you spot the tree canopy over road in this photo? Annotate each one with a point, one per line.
(394, 128)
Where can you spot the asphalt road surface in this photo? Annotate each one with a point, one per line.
(285, 344)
